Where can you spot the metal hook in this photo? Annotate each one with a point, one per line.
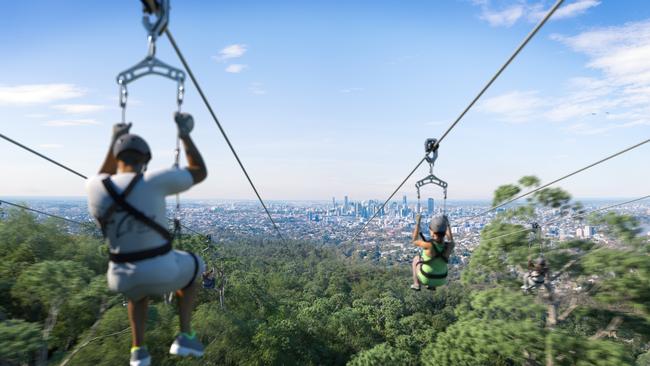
(151, 47)
(123, 97)
(180, 94)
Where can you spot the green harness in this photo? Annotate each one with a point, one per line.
(433, 270)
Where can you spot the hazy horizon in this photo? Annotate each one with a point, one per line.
(317, 111)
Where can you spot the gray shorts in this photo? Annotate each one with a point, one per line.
(154, 276)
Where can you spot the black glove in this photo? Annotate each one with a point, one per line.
(120, 129)
(185, 123)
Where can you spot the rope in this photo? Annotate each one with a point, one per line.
(223, 132)
(44, 213)
(573, 216)
(70, 170)
(478, 96)
(558, 180)
(43, 156)
(503, 67)
(389, 198)
(363, 273)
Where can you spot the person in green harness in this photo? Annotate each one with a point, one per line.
(430, 269)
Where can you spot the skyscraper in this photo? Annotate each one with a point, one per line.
(346, 203)
(404, 201)
(334, 202)
(430, 206)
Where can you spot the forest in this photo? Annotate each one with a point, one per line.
(301, 303)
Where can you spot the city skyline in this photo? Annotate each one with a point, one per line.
(317, 111)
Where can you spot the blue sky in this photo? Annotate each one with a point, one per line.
(328, 98)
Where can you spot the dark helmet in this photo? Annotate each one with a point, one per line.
(131, 142)
(438, 224)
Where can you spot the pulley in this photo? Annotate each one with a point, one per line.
(431, 154)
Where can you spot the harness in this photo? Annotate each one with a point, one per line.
(209, 283)
(437, 254)
(120, 201)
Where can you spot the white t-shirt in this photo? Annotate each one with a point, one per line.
(125, 233)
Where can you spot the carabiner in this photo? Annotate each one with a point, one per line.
(180, 93)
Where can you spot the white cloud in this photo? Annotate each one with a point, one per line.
(230, 52)
(50, 146)
(515, 106)
(497, 15)
(78, 108)
(71, 122)
(36, 115)
(503, 18)
(350, 90)
(618, 98)
(576, 8)
(30, 94)
(257, 88)
(235, 68)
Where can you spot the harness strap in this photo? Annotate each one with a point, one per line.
(196, 270)
(141, 255)
(439, 254)
(103, 220)
(434, 276)
(121, 201)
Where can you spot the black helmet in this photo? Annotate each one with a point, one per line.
(131, 142)
(438, 224)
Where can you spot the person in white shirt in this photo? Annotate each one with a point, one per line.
(129, 205)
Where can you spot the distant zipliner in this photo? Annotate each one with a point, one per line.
(208, 281)
(430, 268)
(538, 269)
(129, 204)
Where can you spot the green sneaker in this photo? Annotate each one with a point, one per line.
(140, 357)
(184, 346)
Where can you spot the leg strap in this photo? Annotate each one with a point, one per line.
(196, 270)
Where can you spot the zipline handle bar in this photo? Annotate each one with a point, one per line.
(151, 65)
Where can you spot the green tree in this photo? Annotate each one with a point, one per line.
(383, 354)
(50, 285)
(19, 340)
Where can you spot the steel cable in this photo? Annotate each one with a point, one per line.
(557, 180)
(478, 96)
(223, 132)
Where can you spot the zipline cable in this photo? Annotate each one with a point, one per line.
(386, 202)
(43, 156)
(68, 169)
(574, 216)
(363, 273)
(45, 213)
(557, 180)
(473, 102)
(503, 67)
(223, 132)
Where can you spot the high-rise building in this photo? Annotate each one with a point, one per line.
(334, 202)
(588, 231)
(404, 201)
(430, 206)
(345, 203)
(579, 233)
